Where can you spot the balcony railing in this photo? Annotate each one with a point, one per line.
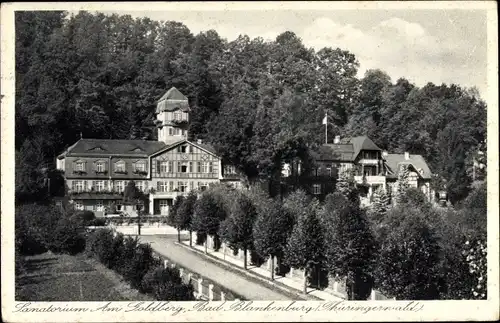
(370, 179)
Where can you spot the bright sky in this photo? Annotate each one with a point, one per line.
(439, 46)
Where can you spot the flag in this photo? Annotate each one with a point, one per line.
(325, 121)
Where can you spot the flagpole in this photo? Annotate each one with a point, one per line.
(326, 128)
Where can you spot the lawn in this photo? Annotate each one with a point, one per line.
(50, 277)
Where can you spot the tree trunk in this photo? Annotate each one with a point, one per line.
(272, 267)
(305, 280)
(245, 258)
(139, 223)
(190, 238)
(179, 235)
(206, 244)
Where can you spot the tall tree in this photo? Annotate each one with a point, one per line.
(184, 215)
(408, 262)
(236, 229)
(207, 216)
(350, 245)
(305, 248)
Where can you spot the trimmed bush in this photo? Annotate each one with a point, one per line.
(165, 284)
(68, 237)
(139, 265)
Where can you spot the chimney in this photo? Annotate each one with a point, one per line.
(199, 141)
(385, 153)
(407, 155)
(336, 140)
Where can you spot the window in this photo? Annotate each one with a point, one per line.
(120, 167)
(119, 186)
(190, 167)
(79, 206)
(99, 167)
(140, 185)
(202, 186)
(171, 186)
(230, 170)
(139, 167)
(329, 171)
(177, 131)
(182, 186)
(177, 116)
(118, 207)
(183, 149)
(98, 186)
(78, 186)
(317, 189)
(99, 206)
(80, 166)
(163, 167)
(161, 186)
(170, 131)
(182, 167)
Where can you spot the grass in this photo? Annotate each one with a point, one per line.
(50, 277)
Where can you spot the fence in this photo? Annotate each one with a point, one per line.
(204, 288)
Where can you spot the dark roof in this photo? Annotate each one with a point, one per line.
(334, 152)
(394, 162)
(207, 147)
(107, 147)
(172, 100)
(363, 143)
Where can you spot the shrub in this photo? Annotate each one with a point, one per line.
(101, 246)
(129, 246)
(84, 217)
(67, 237)
(98, 222)
(139, 265)
(166, 285)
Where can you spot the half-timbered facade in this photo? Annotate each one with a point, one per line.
(97, 171)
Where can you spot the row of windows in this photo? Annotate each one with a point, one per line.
(100, 186)
(182, 186)
(185, 167)
(100, 166)
(98, 206)
(173, 131)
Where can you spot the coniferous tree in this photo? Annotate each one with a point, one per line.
(402, 184)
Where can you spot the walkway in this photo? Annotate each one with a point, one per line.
(247, 288)
(263, 274)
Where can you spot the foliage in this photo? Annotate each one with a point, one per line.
(184, 212)
(172, 215)
(236, 229)
(350, 247)
(305, 247)
(166, 285)
(379, 207)
(140, 263)
(84, 217)
(208, 213)
(402, 183)
(67, 237)
(408, 266)
(101, 245)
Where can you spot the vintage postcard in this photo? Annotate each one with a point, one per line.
(250, 161)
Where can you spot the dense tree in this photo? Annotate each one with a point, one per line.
(350, 246)
(184, 215)
(269, 237)
(305, 247)
(408, 263)
(172, 214)
(236, 229)
(207, 216)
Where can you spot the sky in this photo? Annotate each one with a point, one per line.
(439, 45)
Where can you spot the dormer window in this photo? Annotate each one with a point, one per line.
(80, 166)
(120, 167)
(100, 167)
(140, 167)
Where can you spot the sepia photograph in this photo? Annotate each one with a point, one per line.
(224, 158)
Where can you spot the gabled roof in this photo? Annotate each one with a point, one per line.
(334, 152)
(117, 147)
(173, 94)
(394, 162)
(172, 100)
(206, 147)
(363, 143)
